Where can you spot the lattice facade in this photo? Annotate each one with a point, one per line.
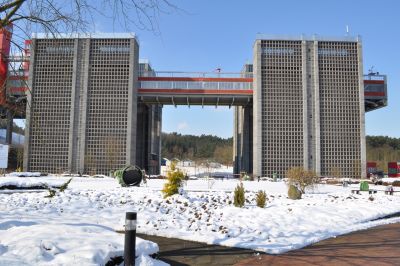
(340, 124)
(50, 103)
(282, 106)
(309, 108)
(83, 120)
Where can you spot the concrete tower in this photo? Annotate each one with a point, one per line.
(82, 107)
(308, 106)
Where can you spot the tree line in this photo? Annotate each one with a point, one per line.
(197, 148)
(380, 149)
(383, 149)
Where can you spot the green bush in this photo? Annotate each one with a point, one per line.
(175, 178)
(294, 193)
(238, 196)
(261, 198)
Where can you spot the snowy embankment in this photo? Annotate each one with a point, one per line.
(78, 225)
(29, 180)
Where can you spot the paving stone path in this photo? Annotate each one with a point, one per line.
(375, 246)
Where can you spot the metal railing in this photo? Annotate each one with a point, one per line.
(215, 74)
(303, 37)
(195, 85)
(374, 76)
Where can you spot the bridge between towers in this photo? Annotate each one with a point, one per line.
(228, 89)
(197, 89)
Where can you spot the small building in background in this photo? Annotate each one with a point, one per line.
(187, 163)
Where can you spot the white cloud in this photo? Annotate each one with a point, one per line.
(183, 125)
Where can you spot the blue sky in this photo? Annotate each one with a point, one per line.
(220, 33)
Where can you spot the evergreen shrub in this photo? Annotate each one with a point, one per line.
(239, 197)
(294, 193)
(261, 198)
(175, 178)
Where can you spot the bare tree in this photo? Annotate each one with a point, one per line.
(23, 17)
(78, 15)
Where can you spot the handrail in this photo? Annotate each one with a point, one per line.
(215, 74)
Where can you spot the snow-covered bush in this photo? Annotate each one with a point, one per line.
(301, 178)
(175, 178)
(261, 198)
(294, 193)
(238, 196)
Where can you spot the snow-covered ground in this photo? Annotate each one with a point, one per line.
(196, 170)
(390, 179)
(78, 225)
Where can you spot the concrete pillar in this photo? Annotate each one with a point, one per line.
(84, 108)
(151, 142)
(362, 110)
(132, 103)
(141, 132)
(257, 110)
(317, 133)
(9, 130)
(304, 63)
(152, 139)
(159, 132)
(28, 107)
(245, 138)
(236, 140)
(74, 118)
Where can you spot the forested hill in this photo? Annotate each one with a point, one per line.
(197, 148)
(382, 149)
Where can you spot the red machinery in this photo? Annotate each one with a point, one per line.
(5, 43)
(394, 169)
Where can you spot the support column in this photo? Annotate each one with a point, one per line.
(73, 126)
(363, 150)
(304, 60)
(257, 110)
(245, 139)
(84, 108)
(236, 140)
(29, 103)
(9, 130)
(317, 112)
(132, 103)
(150, 140)
(159, 132)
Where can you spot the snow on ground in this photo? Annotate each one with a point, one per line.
(390, 179)
(78, 225)
(27, 181)
(195, 170)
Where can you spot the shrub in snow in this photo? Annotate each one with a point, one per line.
(52, 192)
(65, 185)
(175, 178)
(301, 178)
(371, 198)
(261, 198)
(294, 193)
(238, 196)
(396, 183)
